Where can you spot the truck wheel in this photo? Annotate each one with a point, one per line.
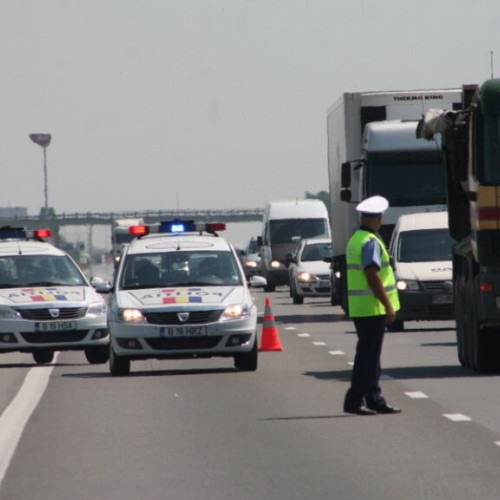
(460, 326)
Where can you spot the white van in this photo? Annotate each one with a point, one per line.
(420, 250)
(285, 224)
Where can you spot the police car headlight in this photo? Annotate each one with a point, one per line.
(97, 308)
(130, 315)
(275, 264)
(306, 277)
(407, 285)
(235, 311)
(9, 313)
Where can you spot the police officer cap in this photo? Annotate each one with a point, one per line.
(373, 205)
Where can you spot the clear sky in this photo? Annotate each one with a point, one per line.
(158, 104)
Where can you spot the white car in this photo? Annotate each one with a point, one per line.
(46, 302)
(309, 274)
(180, 292)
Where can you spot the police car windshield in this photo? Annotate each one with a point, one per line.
(180, 268)
(38, 270)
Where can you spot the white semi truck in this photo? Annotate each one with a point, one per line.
(373, 150)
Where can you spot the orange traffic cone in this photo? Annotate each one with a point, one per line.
(270, 340)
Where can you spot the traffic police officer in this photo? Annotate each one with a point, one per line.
(372, 302)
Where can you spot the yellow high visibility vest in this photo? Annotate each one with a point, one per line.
(361, 299)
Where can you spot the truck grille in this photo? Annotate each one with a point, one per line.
(434, 286)
(195, 317)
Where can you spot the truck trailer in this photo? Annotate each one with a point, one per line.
(471, 147)
(373, 150)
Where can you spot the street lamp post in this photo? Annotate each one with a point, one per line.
(43, 140)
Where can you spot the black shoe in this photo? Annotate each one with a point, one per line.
(384, 409)
(360, 410)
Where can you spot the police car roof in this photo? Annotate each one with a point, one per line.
(27, 247)
(158, 243)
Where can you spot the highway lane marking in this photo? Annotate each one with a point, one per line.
(457, 417)
(336, 353)
(416, 395)
(290, 328)
(319, 343)
(16, 415)
(303, 335)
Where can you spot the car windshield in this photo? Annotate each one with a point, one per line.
(426, 245)
(39, 270)
(316, 251)
(180, 268)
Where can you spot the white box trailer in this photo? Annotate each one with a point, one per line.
(373, 150)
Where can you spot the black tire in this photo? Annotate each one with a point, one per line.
(297, 299)
(247, 361)
(119, 366)
(397, 326)
(270, 287)
(97, 355)
(43, 356)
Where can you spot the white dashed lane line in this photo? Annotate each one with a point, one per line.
(454, 417)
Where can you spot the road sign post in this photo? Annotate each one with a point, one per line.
(43, 140)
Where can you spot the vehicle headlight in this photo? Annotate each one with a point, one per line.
(97, 308)
(235, 311)
(407, 285)
(131, 315)
(275, 264)
(306, 277)
(251, 263)
(8, 313)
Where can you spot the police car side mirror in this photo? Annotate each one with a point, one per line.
(100, 285)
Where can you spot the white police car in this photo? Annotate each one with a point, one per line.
(46, 302)
(180, 292)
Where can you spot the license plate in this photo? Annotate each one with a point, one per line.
(55, 326)
(183, 331)
(442, 299)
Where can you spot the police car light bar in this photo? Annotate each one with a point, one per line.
(177, 227)
(9, 233)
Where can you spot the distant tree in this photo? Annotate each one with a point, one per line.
(324, 196)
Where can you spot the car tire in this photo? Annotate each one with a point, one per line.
(43, 356)
(118, 365)
(297, 299)
(247, 361)
(97, 355)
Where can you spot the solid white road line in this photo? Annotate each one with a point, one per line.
(17, 414)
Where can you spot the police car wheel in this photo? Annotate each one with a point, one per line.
(118, 365)
(97, 355)
(247, 361)
(43, 356)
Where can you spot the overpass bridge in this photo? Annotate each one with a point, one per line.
(90, 219)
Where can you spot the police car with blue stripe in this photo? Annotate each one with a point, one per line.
(46, 302)
(180, 292)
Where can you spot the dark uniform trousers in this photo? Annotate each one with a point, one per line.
(365, 386)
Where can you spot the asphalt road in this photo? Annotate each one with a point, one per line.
(197, 429)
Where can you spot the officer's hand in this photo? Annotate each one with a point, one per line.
(390, 316)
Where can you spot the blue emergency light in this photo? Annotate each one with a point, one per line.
(177, 227)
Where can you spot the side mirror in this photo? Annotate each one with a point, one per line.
(345, 175)
(257, 281)
(101, 285)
